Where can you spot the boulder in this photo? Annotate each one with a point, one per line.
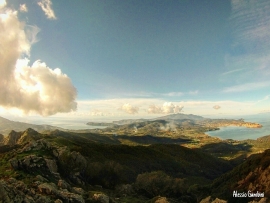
(162, 200)
(47, 188)
(51, 164)
(78, 190)
(70, 197)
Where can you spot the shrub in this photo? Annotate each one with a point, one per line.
(159, 183)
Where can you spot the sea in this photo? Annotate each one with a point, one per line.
(243, 133)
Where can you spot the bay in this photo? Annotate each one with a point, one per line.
(243, 133)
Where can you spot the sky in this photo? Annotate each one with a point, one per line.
(103, 60)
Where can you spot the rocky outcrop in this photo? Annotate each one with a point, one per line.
(28, 136)
(65, 195)
(162, 200)
(27, 162)
(16, 191)
(13, 191)
(12, 138)
(36, 145)
(33, 163)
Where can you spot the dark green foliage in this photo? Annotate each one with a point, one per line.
(159, 183)
(108, 174)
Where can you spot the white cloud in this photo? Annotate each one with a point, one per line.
(23, 8)
(128, 108)
(31, 33)
(232, 71)
(174, 94)
(35, 88)
(46, 6)
(153, 109)
(216, 107)
(167, 108)
(97, 112)
(3, 3)
(247, 87)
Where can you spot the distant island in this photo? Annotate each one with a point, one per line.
(215, 123)
(212, 124)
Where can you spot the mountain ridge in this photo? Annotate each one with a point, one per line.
(7, 125)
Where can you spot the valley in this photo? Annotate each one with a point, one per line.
(169, 159)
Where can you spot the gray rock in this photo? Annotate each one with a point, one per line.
(78, 190)
(70, 197)
(3, 193)
(47, 188)
(51, 164)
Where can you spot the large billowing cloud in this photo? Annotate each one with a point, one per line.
(2, 3)
(31, 88)
(128, 108)
(46, 6)
(167, 108)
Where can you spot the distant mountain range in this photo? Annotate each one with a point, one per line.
(178, 116)
(7, 125)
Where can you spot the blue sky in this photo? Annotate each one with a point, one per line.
(138, 58)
